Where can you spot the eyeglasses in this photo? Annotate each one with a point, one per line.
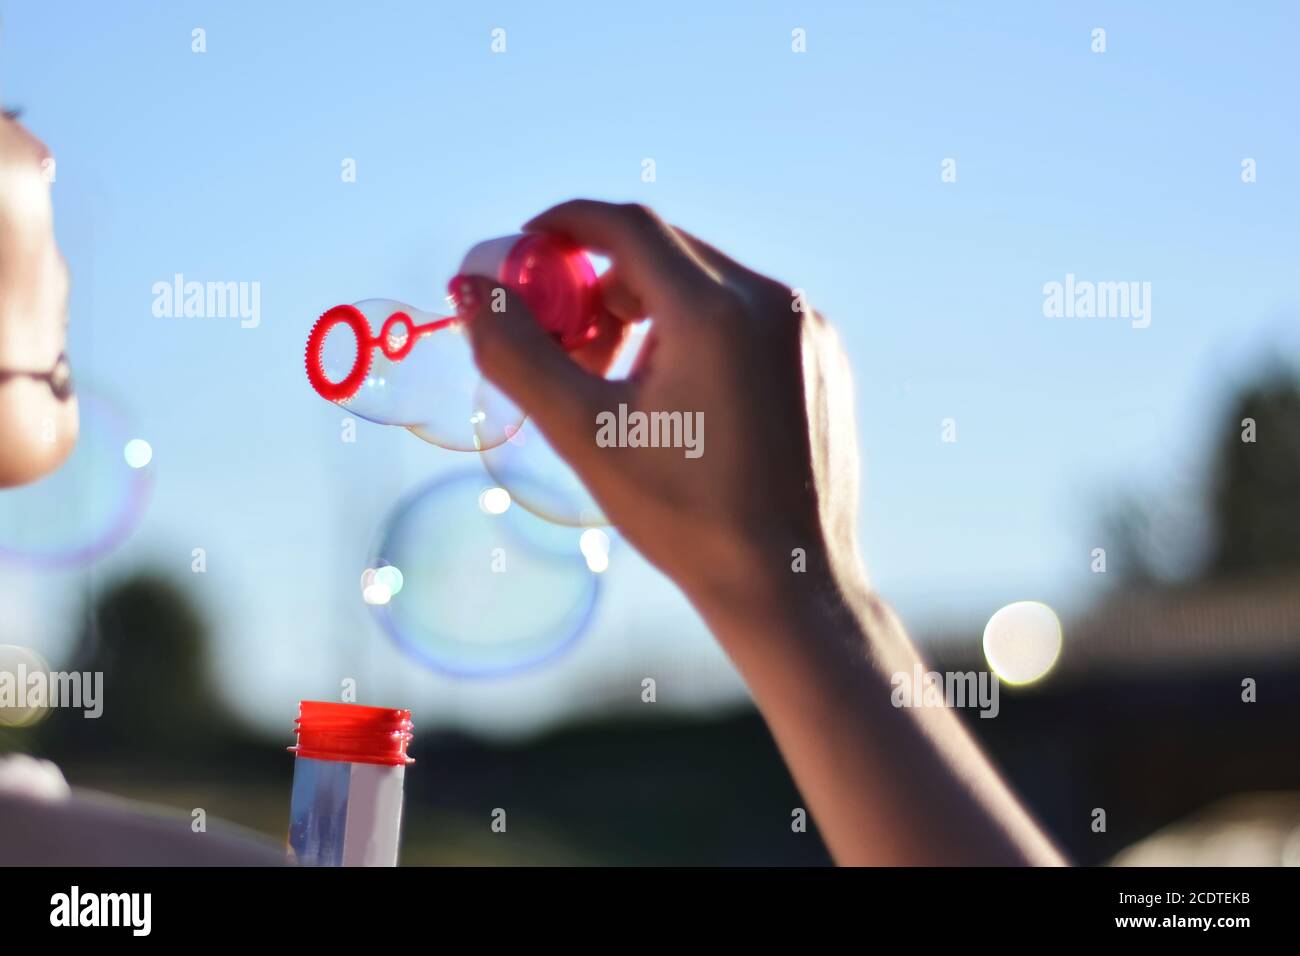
(59, 378)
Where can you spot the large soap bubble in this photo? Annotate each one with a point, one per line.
(470, 584)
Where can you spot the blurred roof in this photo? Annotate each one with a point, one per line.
(1201, 626)
(1198, 627)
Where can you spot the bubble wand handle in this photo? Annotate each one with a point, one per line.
(554, 278)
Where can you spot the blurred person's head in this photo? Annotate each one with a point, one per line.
(38, 414)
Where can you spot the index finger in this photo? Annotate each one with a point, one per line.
(652, 260)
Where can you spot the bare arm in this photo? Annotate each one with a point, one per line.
(776, 483)
(887, 785)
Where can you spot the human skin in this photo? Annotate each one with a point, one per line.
(37, 429)
(778, 480)
(817, 648)
(37, 432)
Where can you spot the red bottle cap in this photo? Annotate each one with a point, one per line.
(555, 279)
(352, 733)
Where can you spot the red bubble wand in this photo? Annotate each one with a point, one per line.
(394, 344)
(554, 278)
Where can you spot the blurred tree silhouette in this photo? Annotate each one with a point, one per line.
(1255, 499)
(1244, 520)
(151, 643)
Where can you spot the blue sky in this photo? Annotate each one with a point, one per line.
(822, 168)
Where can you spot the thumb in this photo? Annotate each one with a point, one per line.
(517, 356)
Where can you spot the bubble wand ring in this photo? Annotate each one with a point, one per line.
(394, 344)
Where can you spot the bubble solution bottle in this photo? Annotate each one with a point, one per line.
(346, 808)
(556, 281)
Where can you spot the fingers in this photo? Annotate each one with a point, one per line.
(643, 363)
(600, 353)
(660, 273)
(619, 299)
(624, 303)
(517, 356)
(721, 263)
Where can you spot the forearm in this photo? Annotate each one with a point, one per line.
(733, 526)
(886, 785)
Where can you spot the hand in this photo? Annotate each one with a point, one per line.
(758, 376)
(37, 430)
(777, 477)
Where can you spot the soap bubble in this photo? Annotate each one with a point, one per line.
(537, 477)
(387, 362)
(483, 592)
(539, 480)
(90, 504)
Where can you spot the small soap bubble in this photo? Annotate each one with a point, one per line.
(484, 593)
(90, 504)
(539, 480)
(534, 473)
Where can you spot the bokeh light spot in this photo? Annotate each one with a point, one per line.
(138, 453)
(494, 501)
(376, 593)
(19, 707)
(390, 577)
(594, 545)
(1022, 641)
